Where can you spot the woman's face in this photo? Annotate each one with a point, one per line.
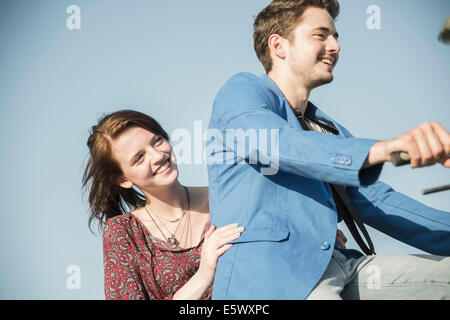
(146, 159)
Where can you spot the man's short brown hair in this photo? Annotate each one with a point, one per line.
(281, 17)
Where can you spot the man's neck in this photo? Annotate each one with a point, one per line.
(296, 93)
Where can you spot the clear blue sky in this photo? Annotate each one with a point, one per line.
(168, 59)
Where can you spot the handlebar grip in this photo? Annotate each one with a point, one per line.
(400, 158)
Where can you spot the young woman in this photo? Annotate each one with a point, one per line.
(165, 247)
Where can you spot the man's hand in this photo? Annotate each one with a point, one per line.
(426, 145)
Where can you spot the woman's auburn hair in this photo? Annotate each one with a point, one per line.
(106, 198)
(281, 17)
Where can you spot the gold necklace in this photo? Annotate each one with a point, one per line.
(169, 220)
(187, 225)
(171, 239)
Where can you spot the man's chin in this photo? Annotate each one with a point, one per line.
(322, 81)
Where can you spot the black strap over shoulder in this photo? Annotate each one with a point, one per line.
(350, 215)
(344, 205)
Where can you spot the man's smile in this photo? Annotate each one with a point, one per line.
(328, 60)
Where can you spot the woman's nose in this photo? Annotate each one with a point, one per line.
(157, 156)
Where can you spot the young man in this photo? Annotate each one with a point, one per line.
(289, 212)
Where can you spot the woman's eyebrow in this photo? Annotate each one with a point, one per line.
(327, 30)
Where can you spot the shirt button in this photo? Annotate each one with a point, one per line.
(342, 160)
(325, 245)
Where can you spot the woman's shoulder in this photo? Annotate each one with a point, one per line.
(119, 237)
(121, 219)
(120, 224)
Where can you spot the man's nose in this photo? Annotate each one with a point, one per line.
(333, 45)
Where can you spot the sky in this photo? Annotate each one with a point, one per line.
(169, 59)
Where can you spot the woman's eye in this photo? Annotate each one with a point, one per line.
(320, 35)
(138, 158)
(158, 140)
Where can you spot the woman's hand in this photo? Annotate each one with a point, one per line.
(215, 244)
(341, 239)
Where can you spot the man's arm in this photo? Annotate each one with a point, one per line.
(246, 104)
(426, 145)
(399, 216)
(403, 218)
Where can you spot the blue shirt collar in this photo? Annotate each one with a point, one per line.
(272, 85)
(312, 111)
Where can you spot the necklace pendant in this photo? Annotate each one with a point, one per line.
(173, 240)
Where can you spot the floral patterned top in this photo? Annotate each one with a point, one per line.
(139, 266)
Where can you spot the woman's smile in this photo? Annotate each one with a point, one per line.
(165, 168)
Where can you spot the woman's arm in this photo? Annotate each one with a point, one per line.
(215, 244)
(122, 278)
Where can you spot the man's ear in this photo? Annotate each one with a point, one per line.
(124, 182)
(276, 45)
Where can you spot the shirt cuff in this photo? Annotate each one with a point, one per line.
(370, 175)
